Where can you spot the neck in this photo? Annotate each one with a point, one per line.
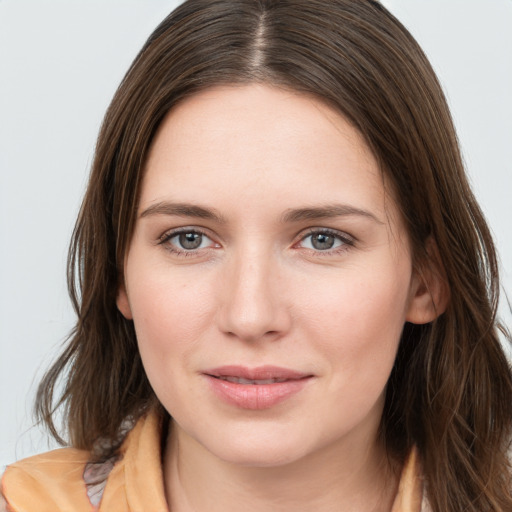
(353, 477)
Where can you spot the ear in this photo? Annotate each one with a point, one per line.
(430, 293)
(123, 304)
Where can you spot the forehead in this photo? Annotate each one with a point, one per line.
(268, 145)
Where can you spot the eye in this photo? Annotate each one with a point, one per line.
(187, 240)
(325, 240)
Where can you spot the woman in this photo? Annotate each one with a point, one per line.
(285, 290)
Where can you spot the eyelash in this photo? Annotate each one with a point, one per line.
(165, 239)
(346, 240)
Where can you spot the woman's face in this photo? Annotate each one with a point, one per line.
(268, 278)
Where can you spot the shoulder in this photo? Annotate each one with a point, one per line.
(49, 464)
(40, 482)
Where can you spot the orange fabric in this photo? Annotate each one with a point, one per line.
(410, 489)
(53, 482)
(50, 482)
(136, 482)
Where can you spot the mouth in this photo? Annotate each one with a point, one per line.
(260, 375)
(255, 388)
(251, 382)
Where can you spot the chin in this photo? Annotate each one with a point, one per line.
(261, 449)
(260, 456)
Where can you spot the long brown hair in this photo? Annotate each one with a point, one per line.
(451, 387)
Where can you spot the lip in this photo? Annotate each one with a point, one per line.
(256, 396)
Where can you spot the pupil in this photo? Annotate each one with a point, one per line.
(190, 240)
(322, 241)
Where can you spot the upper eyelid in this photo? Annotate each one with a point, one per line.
(331, 231)
(170, 233)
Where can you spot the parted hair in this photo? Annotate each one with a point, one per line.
(450, 391)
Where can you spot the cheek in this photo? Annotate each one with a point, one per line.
(170, 314)
(357, 324)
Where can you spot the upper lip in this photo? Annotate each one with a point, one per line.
(257, 373)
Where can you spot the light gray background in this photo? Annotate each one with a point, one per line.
(60, 63)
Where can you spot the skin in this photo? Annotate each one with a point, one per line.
(258, 290)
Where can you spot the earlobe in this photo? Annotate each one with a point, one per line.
(123, 303)
(430, 292)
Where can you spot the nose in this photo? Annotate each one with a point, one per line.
(253, 304)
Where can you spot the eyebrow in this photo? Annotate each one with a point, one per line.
(182, 210)
(291, 215)
(327, 211)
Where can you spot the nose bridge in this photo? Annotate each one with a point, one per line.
(252, 305)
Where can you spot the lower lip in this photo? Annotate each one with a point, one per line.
(256, 396)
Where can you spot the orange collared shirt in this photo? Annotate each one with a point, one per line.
(56, 481)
